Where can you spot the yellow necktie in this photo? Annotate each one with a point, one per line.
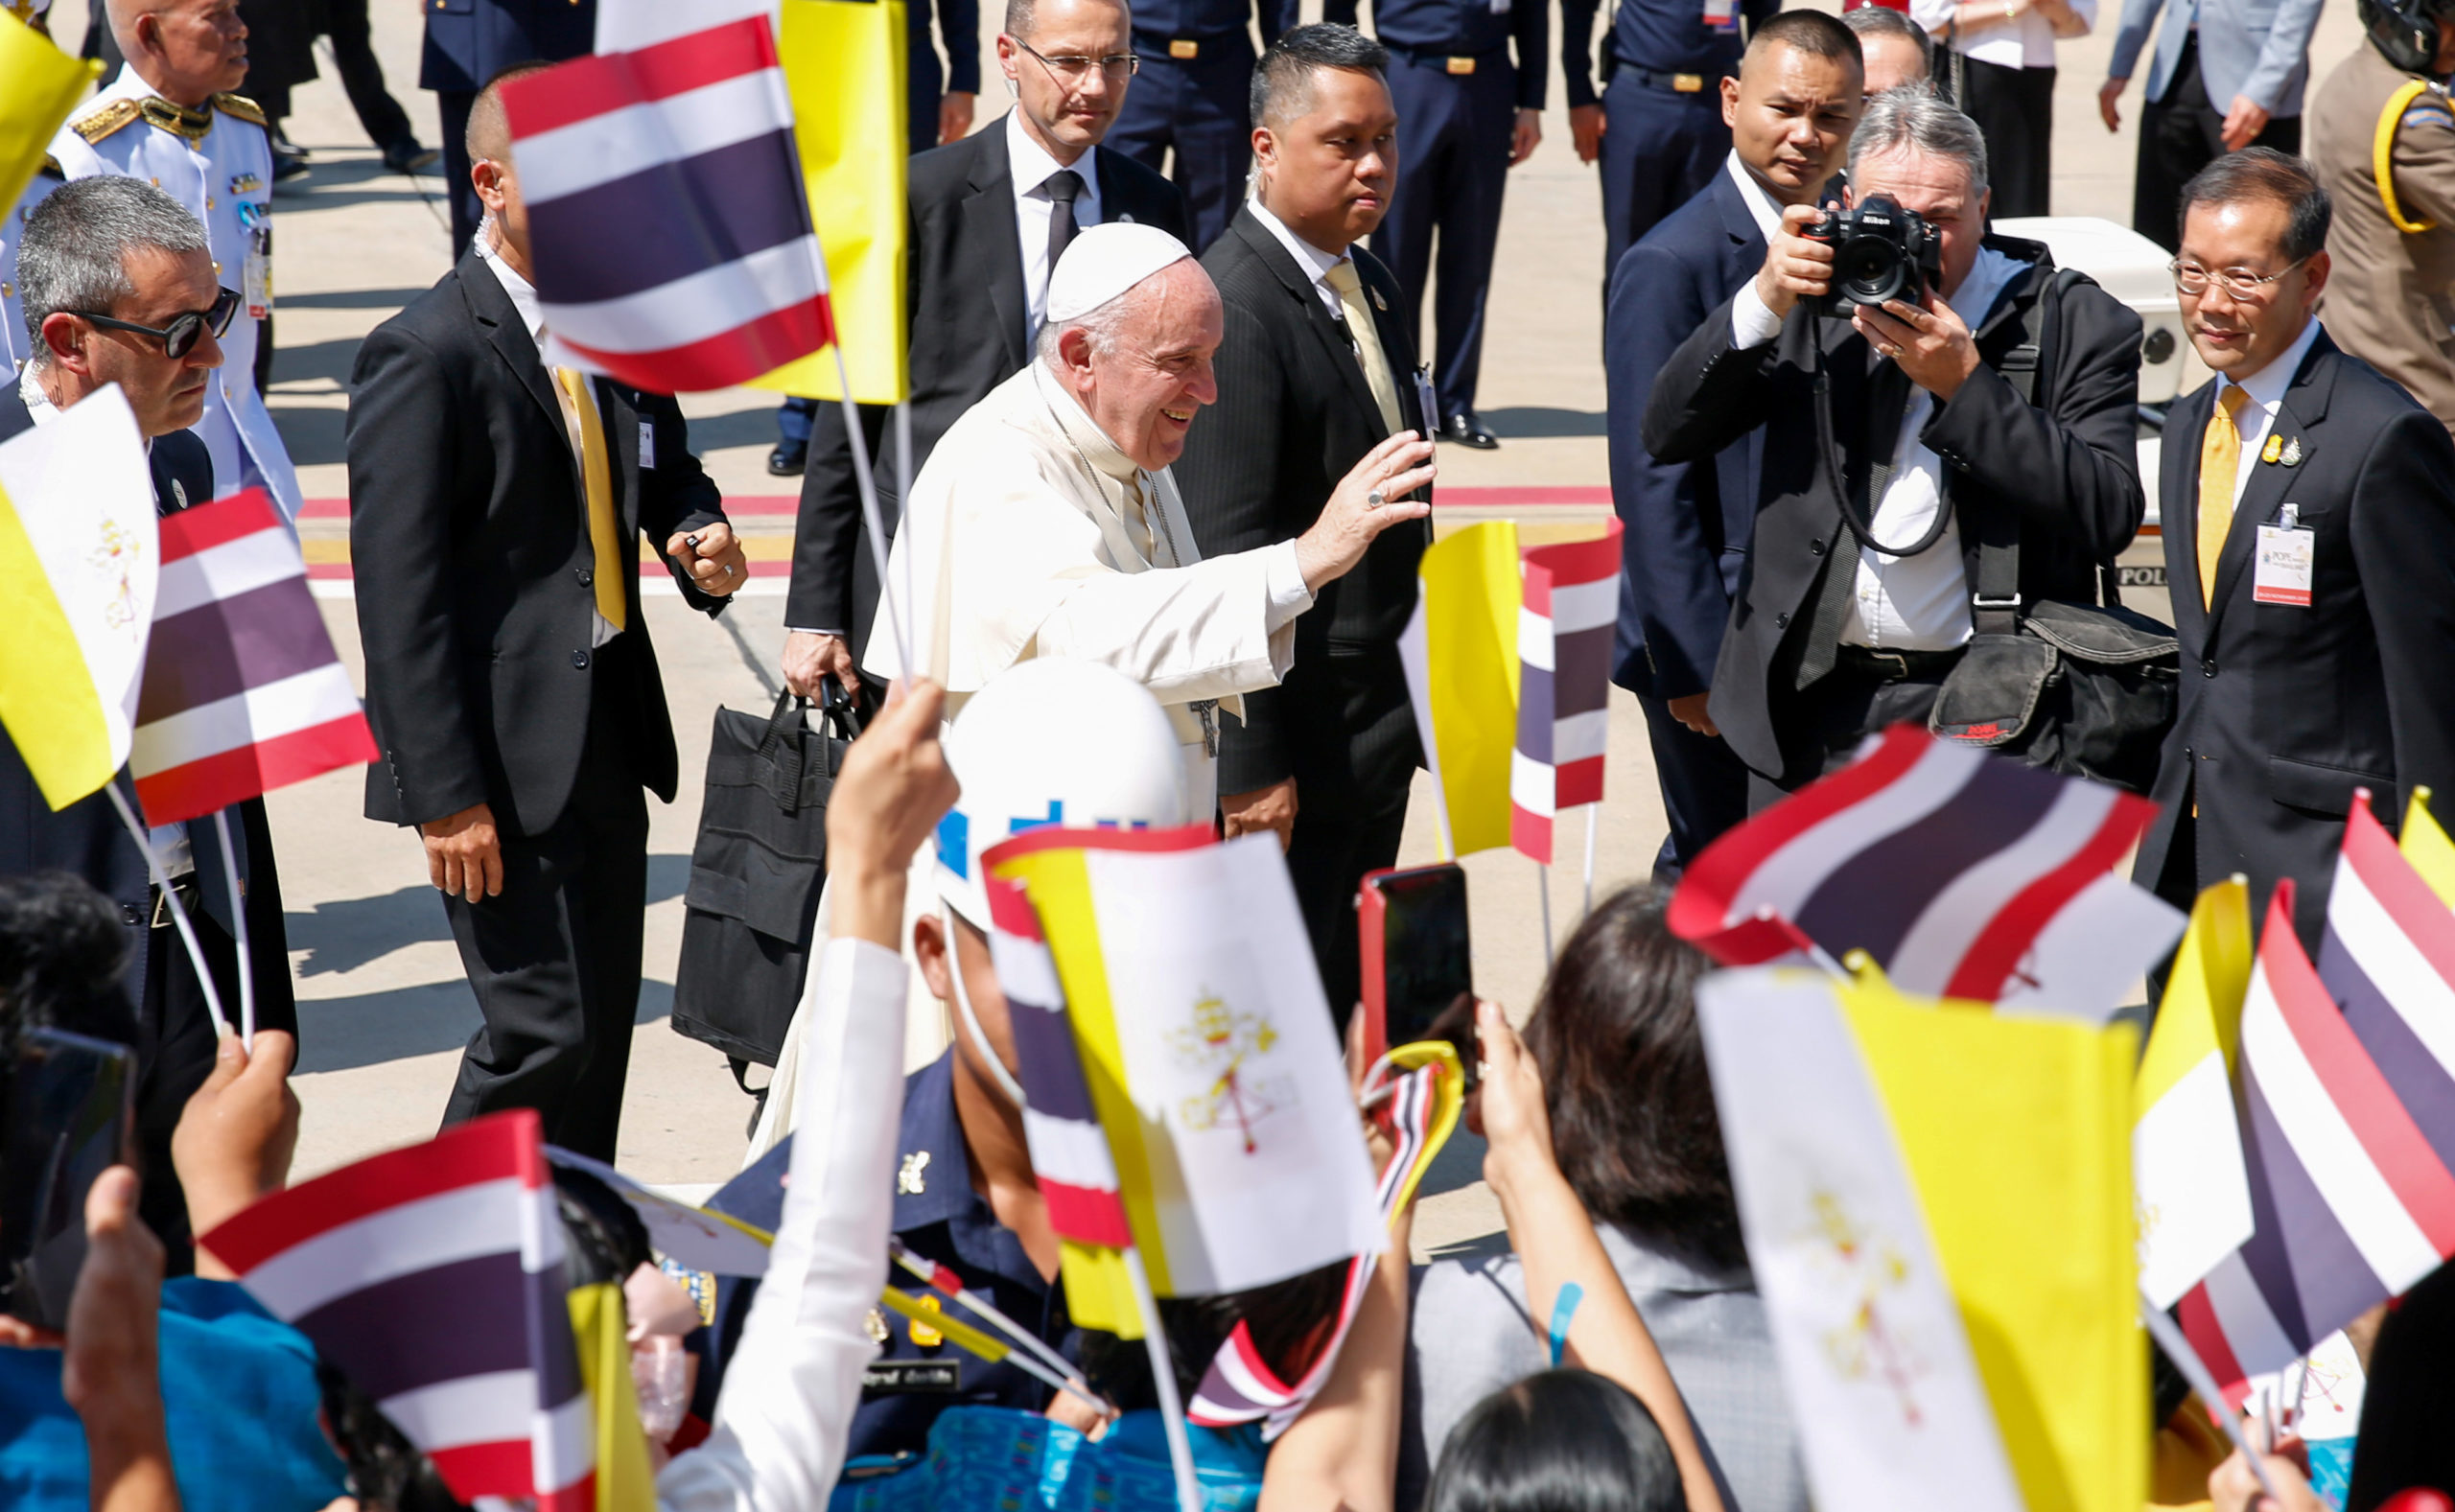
(2220, 461)
(603, 533)
(1367, 339)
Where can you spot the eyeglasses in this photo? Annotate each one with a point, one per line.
(2192, 279)
(180, 338)
(1072, 69)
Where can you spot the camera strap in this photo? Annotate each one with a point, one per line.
(1995, 599)
(1888, 396)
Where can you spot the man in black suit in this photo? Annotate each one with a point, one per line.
(1937, 449)
(1687, 524)
(120, 249)
(1317, 370)
(988, 217)
(2309, 509)
(496, 510)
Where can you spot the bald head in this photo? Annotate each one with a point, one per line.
(490, 134)
(490, 169)
(1140, 363)
(187, 50)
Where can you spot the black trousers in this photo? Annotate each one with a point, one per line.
(466, 212)
(1828, 720)
(1198, 108)
(1660, 148)
(1705, 788)
(555, 959)
(2178, 135)
(1453, 171)
(174, 1048)
(386, 124)
(1350, 804)
(2014, 108)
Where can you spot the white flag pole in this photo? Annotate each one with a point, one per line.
(870, 516)
(239, 928)
(1590, 810)
(171, 901)
(1163, 1377)
(903, 489)
(1543, 886)
(2177, 1347)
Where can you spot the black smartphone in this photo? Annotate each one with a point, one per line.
(71, 1115)
(1418, 959)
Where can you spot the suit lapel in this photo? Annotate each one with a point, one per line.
(1300, 288)
(509, 336)
(1744, 251)
(1114, 205)
(2304, 409)
(996, 247)
(2177, 508)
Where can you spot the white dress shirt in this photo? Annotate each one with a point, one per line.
(1760, 204)
(1906, 603)
(1031, 167)
(1308, 257)
(2265, 389)
(523, 299)
(2024, 41)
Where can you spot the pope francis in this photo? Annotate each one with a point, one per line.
(1046, 523)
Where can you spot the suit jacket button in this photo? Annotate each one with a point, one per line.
(583, 574)
(1815, 549)
(1781, 621)
(579, 660)
(2208, 667)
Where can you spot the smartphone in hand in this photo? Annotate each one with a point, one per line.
(1417, 958)
(67, 1114)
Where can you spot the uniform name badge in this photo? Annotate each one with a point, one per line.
(255, 276)
(1721, 15)
(2280, 565)
(1427, 403)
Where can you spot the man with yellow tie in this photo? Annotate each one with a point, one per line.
(1316, 371)
(496, 510)
(2309, 513)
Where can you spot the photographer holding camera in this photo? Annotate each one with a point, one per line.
(1923, 386)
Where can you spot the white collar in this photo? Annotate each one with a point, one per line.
(1032, 165)
(1306, 254)
(2266, 387)
(524, 293)
(1760, 204)
(1085, 432)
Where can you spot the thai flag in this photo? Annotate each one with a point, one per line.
(1564, 629)
(2348, 1115)
(1963, 874)
(1070, 1159)
(672, 242)
(432, 1278)
(243, 691)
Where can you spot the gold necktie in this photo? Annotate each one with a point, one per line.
(2220, 461)
(603, 533)
(1367, 339)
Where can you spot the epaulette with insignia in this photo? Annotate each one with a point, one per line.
(244, 109)
(101, 120)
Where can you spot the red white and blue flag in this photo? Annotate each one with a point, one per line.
(432, 1278)
(671, 237)
(1564, 629)
(1962, 873)
(2348, 1105)
(243, 691)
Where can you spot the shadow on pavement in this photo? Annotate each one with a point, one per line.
(350, 933)
(1533, 423)
(343, 1034)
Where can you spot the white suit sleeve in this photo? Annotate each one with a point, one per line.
(786, 1413)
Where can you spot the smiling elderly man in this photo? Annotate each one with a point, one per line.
(1047, 523)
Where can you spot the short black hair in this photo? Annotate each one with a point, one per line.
(1556, 1441)
(1283, 79)
(1813, 32)
(63, 947)
(1633, 1125)
(1882, 21)
(2263, 173)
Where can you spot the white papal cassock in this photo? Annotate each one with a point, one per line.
(1028, 533)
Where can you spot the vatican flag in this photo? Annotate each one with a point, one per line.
(39, 84)
(1937, 1207)
(1461, 656)
(78, 561)
(2193, 1195)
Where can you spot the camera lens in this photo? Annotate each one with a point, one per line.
(1869, 269)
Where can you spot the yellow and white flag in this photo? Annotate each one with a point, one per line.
(2191, 1193)
(39, 84)
(2426, 847)
(78, 561)
(1461, 656)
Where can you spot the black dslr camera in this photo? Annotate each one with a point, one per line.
(1880, 252)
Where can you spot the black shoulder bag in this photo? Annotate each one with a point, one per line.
(755, 874)
(2083, 689)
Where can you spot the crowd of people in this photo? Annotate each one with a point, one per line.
(1178, 431)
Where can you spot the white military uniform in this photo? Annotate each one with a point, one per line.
(1029, 533)
(217, 162)
(15, 345)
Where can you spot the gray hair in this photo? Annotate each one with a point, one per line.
(1103, 324)
(1879, 20)
(1912, 120)
(74, 254)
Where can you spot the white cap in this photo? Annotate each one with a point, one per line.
(1054, 741)
(1105, 261)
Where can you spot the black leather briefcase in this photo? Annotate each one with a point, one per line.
(755, 874)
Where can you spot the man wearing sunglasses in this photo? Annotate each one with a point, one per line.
(118, 289)
(2309, 525)
(988, 215)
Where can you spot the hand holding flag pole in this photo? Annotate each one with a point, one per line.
(2203, 1385)
(239, 932)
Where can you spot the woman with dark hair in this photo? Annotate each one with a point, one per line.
(1613, 1034)
(1558, 1441)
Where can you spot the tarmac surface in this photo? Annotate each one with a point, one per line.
(383, 1005)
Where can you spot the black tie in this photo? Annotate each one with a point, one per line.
(1062, 186)
(1888, 404)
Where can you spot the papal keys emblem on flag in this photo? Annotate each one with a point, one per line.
(672, 242)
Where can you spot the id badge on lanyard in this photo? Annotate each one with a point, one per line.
(2281, 561)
